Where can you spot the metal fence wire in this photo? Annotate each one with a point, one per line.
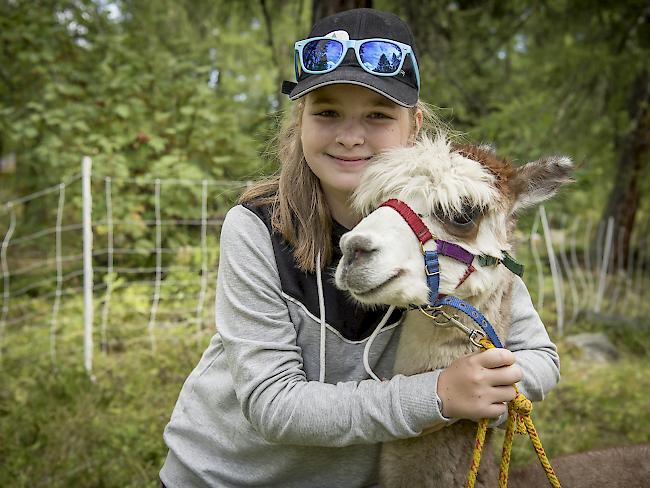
(122, 277)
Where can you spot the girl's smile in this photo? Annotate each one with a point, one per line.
(351, 160)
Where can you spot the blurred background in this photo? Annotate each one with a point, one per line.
(107, 269)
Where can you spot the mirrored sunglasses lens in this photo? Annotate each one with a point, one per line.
(380, 56)
(322, 54)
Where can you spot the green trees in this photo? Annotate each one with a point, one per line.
(184, 88)
(166, 88)
(549, 77)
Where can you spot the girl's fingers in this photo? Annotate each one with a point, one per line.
(492, 411)
(505, 375)
(503, 394)
(475, 386)
(495, 358)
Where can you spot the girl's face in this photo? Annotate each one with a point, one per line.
(343, 127)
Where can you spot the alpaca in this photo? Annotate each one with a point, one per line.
(464, 195)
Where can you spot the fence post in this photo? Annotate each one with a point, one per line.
(555, 272)
(575, 301)
(86, 166)
(605, 263)
(538, 265)
(4, 267)
(156, 294)
(204, 259)
(59, 276)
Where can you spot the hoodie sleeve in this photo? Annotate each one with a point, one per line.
(267, 367)
(535, 352)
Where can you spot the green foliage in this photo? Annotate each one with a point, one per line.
(182, 89)
(538, 78)
(149, 90)
(63, 430)
(60, 428)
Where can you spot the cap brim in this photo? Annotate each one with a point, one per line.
(388, 86)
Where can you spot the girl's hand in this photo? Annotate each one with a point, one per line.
(476, 386)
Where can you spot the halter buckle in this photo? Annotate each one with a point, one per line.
(475, 337)
(437, 314)
(443, 320)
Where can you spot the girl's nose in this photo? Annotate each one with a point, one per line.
(351, 135)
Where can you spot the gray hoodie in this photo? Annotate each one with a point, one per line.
(254, 413)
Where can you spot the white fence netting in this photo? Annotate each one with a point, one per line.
(129, 272)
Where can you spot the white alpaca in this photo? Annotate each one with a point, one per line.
(464, 195)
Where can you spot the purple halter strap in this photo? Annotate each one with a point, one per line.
(423, 234)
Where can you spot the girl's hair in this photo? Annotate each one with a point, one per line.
(299, 210)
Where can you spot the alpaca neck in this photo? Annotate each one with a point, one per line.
(425, 346)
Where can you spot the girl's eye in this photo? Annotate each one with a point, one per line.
(327, 113)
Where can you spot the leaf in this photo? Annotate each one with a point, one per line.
(156, 143)
(122, 111)
(221, 160)
(187, 110)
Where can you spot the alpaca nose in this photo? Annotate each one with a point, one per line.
(357, 247)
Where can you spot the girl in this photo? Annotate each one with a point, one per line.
(266, 406)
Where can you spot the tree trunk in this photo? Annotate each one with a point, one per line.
(632, 163)
(323, 8)
(271, 42)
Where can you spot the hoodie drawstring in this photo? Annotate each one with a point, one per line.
(321, 308)
(366, 350)
(323, 330)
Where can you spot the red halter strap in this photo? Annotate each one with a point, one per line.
(418, 227)
(423, 234)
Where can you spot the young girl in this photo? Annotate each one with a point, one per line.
(266, 406)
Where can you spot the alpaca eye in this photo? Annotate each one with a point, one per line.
(467, 217)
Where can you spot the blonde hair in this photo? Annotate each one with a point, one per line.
(299, 210)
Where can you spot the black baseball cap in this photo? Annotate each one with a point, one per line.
(363, 23)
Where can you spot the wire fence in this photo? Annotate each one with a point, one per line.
(126, 277)
(118, 276)
(579, 271)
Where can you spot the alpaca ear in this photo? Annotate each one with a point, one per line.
(538, 181)
(488, 148)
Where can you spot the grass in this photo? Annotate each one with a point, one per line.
(60, 429)
(594, 406)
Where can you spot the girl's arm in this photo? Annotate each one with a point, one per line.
(266, 362)
(534, 351)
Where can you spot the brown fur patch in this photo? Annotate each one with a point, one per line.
(501, 168)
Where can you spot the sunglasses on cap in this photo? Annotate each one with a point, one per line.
(381, 57)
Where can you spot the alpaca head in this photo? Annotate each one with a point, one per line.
(464, 194)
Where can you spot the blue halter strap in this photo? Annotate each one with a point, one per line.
(473, 313)
(432, 270)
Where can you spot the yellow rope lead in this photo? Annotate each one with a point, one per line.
(519, 421)
(476, 455)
